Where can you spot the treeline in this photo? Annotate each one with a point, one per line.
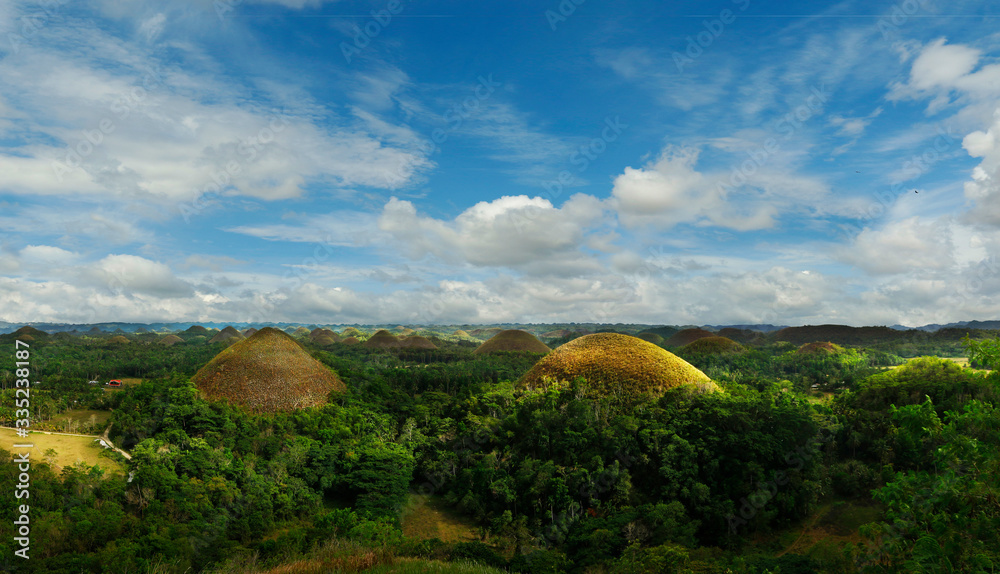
(556, 481)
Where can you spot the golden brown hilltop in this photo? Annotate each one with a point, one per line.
(512, 340)
(267, 372)
(618, 365)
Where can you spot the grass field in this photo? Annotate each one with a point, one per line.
(75, 419)
(827, 531)
(69, 449)
(427, 517)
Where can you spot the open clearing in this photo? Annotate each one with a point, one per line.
(427, 517)
(69, 449)
(72, 420)
(825, 533)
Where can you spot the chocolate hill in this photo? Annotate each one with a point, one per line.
(170, 340)
(228, 335)
(382, 340)
(740, 335)
(653, 338)
(417, 342)
(267, 372)
(618, 365)
(819, 348)
(712, 345)
(686, 336)
(843, 334)
(26, 334)
(512, 340)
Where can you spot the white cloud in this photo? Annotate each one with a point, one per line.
(984, 189)
(512, 231)
(151, 28)
(669, 191)
(132, 274)
(911, 246)
(339, 228)
(139, 130)
(684, 89)
(941, 69)
(509, 136)
(47, 255)
(294, 4)
(940, 65)
(853, 127)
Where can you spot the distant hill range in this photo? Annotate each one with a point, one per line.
(960, 325)
(839, 334)
(768, 328)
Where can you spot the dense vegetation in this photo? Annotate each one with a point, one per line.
(554, 477)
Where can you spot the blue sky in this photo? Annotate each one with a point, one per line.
(440, 162)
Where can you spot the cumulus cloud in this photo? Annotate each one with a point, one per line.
(669, 191)
(984, 189)
(133, 274)
(906, 246)
(512, 231)
(47, 255)
(941, 69)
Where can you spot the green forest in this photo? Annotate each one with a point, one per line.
(871, 458)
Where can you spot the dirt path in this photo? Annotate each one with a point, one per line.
(112, 445)
(802, 534)
(64, 433)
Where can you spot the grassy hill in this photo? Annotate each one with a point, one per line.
(267, 372)
(616, 364)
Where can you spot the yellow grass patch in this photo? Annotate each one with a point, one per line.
(829, 529)
(69, 449)
(427, 517)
